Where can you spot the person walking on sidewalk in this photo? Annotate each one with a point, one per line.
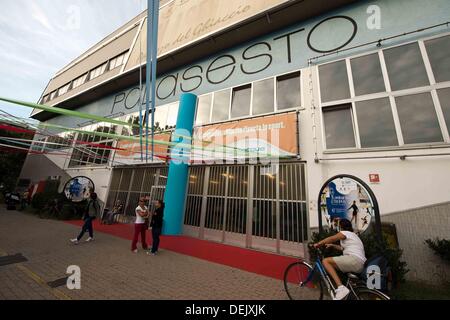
(140, 226)
(91, 212)
(157, 224)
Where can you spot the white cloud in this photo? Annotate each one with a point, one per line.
(35, 41)
(39, 16)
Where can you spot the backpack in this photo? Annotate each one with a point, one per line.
(96, 208)
(381, 262)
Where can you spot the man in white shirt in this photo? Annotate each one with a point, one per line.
(353, 257)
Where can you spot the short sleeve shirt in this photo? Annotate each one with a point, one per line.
(139, 219)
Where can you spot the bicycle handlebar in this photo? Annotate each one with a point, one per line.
(318, 250)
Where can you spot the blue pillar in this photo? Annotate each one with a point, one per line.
(176, 188)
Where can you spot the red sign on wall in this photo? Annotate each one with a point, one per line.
(374, 178)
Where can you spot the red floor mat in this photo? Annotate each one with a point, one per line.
(270, 265)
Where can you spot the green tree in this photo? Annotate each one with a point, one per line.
(11, 160)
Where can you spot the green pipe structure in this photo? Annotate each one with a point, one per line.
(70, 113)
(112, 121)
(82, 115)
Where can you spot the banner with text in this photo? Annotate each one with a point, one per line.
(268, 137)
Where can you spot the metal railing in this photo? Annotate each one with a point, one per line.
(227, 198)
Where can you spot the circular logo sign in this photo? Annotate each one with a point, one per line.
(344, 197)
(78, 189)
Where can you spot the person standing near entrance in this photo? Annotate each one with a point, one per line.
(91, 212)
(140, 226)
(157, 224)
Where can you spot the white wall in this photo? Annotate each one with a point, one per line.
(100, 176)
(405, 184)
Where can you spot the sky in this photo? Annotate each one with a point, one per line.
(40, 37)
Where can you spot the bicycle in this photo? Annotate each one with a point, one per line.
(302, 281)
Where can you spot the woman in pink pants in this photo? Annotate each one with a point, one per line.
(140, 226)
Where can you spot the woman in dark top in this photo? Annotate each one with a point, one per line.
(157, 224)
(91, 212)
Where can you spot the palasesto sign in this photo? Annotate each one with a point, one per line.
(185, 21)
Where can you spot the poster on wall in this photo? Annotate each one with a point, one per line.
(264, 137)
(129, 152)
(78, 189)
(346, 198)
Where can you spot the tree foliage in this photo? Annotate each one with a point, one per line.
(11, 161)
(441, 247)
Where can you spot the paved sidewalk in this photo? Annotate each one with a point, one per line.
(110, 271)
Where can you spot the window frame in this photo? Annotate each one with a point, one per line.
(274, 97)
(248, 86)
(122, 55)
(53, 95)
(85, 159)
(74, 82)
(68, 86)
(210, 109)
(351, 108)
(276, 107)
(391, 95)
(99, 67)
(251, 115)
(45, 98)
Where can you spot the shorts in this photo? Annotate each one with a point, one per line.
(349, 263)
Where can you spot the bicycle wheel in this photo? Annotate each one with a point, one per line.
(294, 277)
(364, 293)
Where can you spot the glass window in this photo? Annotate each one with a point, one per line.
(334, 81)
(376, 123)
(60, 141)
(53, 95)
(161, 114)
(367, 75)
(221, 106)
(339, 127)
(444, 98)
(63, 90)
(240, 105)
(97, 72)
(263, 96)
(203, 109)
(172, 115)
(134, 120)
(439, 54)
(418, 119)
(288, 91)
(117, 61)
(79, 81)
(405, 67)
(88, 154)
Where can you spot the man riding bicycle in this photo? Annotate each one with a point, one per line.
(353, 257)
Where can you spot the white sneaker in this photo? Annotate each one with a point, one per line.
(74, 241)
(89, 239)
(341, 292)
(135, 251)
